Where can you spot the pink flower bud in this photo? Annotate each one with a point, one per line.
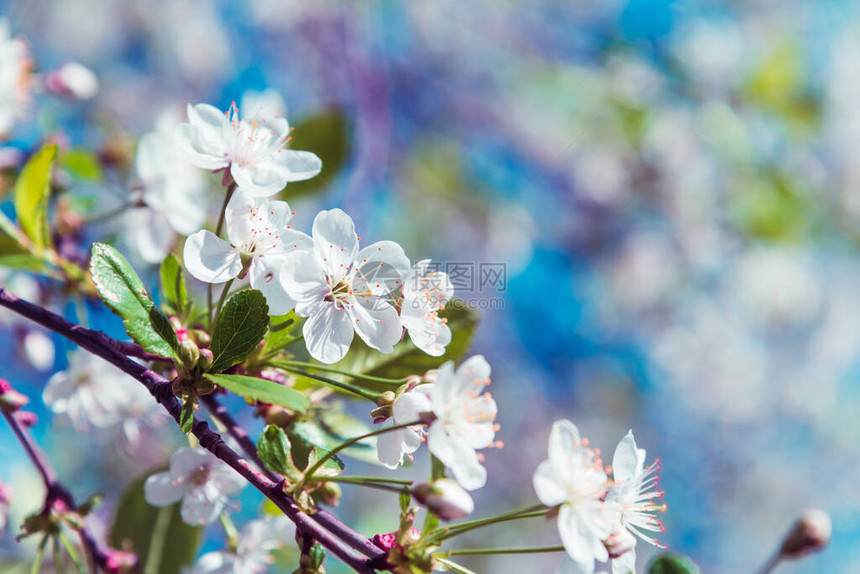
(444, 498)
(120, 560)
(27, 419)
(4, 386)
(73, 81)
(810, 533)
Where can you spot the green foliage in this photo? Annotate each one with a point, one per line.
(32, 190)
(274, 450)
(163, 543)
(306, 436)
(670, 563)
(327, 135)
(241, 325)
(123, 291)
(186, 417)
(81, 163)
(339, 427)
(282, 330)
(173, 283)
(262, 390)
(407, 359)
(13, 253)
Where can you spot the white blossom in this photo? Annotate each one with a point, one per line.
(425, 293)
(343, 290)
(259, 239)
(172, 198)
(257, 540)
(573, 480)
(253, 150)
(203, 483)
(15, 78)
(464, 420)
(632, 495)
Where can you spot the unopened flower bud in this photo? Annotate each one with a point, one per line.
(317, 555)
(4, 386)
(189, 354)
(73, 81)
(201, 337)
(444, 498)
(620, 543)
(386, 398)
(205, 359)
(11, 401)
(329, 494)
(27, 419)
(810, 533)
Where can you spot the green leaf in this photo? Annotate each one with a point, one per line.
(670, 563)
(282, 330)
(82, 164)
(123, 291)
(331, 467)
(262, 390)
(327, 135)
(162, 326)
(173, 283)
(32, 190)
(274, 449)
(339, 427)
(241, 326)
(186, 418)
(163, 543)
(407, 359)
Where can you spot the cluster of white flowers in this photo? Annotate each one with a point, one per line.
(93, 394)
(341, 288)
(598, 516)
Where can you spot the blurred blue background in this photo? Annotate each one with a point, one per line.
(671, 188)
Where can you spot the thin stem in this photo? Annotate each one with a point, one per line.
(310, 472)
(457, 529)
(227, 196)
(360, 479)
(771, 563)
(526, 550)
(376, 485)
(221, 300)
(336, 384)
(40, 555)
(70, 548)
(325, 369)
(103, 346)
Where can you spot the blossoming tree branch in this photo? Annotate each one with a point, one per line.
(294, 322)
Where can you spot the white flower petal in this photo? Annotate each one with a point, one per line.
(625, 564)
(219, 562)
(379, 328)
(578, 536)
(409, 406)
(148, 158)
(563, 437)
(549, 489)
(148, 233)
(335, 241)
(457, 456)
(297, 165)
(201, 505)
(389, 446)
(302, 278)
(211, 259)
(194, 148)
(161, 490)
(328, 333)
(260, 180)
(265, 276)
(383, 266)
(628, 460)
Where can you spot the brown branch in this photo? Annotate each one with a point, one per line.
(101, 345)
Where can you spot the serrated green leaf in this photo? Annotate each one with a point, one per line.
(241, 326)
(262, 390)
(274, 450)
(81, 163)
(159, 537)
(327, 135)
(32, 190)
(124, 293)
(173, 283)
(162, 326)
(670, 563)
(407, 359)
